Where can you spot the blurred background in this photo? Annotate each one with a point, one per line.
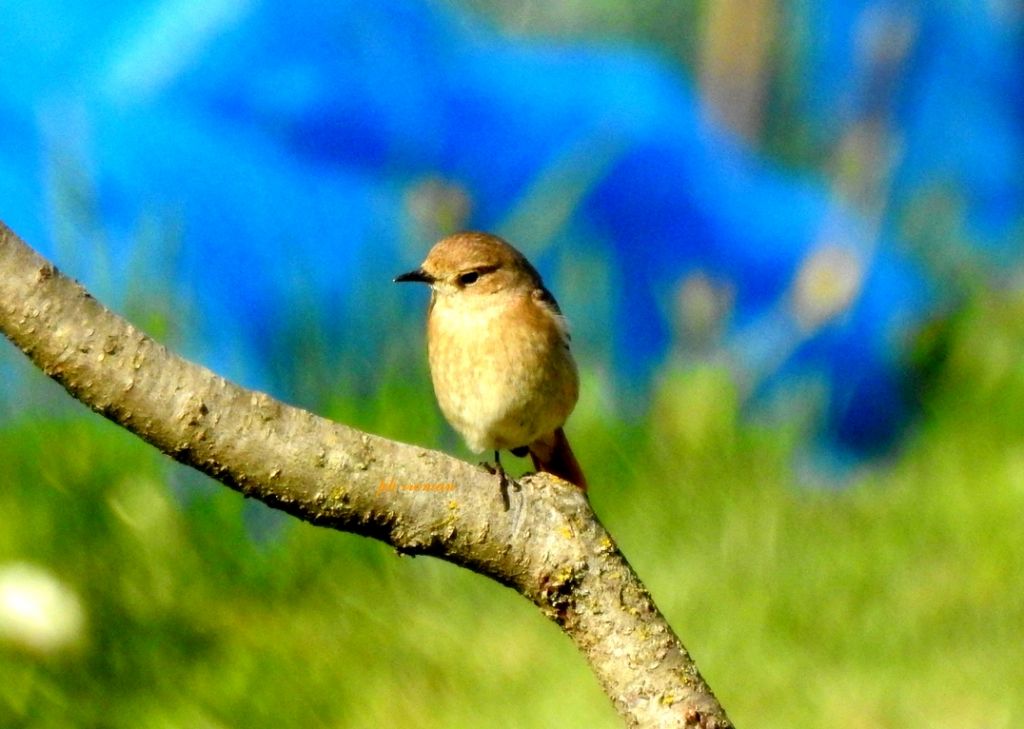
(787, 236)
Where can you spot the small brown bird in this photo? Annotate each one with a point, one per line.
(499, 352)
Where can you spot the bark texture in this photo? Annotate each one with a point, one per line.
(548, 546)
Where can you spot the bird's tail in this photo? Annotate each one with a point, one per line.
(553, 455)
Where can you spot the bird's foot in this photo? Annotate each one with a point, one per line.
(504, 481)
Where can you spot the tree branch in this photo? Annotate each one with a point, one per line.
(549, 545)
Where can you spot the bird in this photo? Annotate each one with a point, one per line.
(498, 349)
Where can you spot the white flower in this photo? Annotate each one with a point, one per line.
(37, 611)
(827, 284)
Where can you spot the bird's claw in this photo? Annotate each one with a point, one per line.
(504, 481)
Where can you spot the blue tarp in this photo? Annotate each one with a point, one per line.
(276, 144)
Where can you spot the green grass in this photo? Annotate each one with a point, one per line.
(892, 602)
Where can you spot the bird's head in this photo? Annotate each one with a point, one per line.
(474, 264)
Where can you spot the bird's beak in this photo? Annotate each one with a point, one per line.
(418, 275)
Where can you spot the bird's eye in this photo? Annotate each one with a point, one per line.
(468, 278)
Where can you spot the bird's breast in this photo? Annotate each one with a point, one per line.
(501, 368)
